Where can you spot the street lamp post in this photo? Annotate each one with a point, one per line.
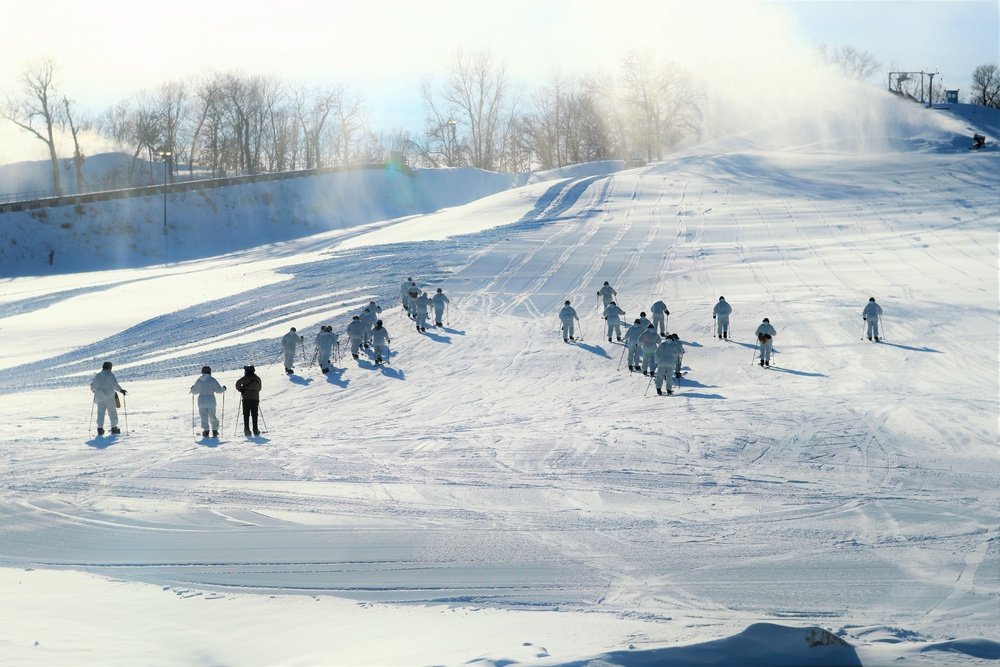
(451, 151)
(166, 155)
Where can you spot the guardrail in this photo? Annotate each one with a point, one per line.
(18, 204)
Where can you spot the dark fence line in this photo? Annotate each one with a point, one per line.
(185, 186)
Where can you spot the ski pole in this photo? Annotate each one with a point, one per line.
(239, 410)
(754, 357)
(864, 328)
(192, 416)
(90, 424)
(621, 357)
(222, 425)
(881, 326)
(263, 422)
(125, 410)
(276, 357)
(649, 384)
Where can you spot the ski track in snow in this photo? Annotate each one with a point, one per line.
(851, 484)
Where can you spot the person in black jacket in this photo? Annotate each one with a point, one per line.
(249, 387)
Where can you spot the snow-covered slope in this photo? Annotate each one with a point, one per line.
(499, 497)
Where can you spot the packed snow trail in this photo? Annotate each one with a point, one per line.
(851, 485)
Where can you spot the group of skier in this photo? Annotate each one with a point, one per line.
(650, 348)
(661, 360)
(365, 331)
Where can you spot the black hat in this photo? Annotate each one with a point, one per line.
(206, 369)
(613, 303)
(293, 328)
(605, 282)
(248, 370)
(722, 298)
(642, 314)
(379, 323)
(106, 366)
(767, 320)
(638, 321)
(356, 317)
(871, 298)
(567, 302)
(649, 326)
(439, 289)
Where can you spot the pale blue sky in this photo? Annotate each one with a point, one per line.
(110, 49)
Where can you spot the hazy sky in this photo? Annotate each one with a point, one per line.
(109, 49)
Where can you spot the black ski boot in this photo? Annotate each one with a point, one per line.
(355, 356)
(659, 392)
(204, 434)
(761, 362)
(725, 334)
(246, 432)
(100, 431)
(115, 430)
(767, 363)
(670, 391)
(215, 434)
(325, 370)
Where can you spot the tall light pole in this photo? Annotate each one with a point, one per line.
(166, 155)
(451, 151)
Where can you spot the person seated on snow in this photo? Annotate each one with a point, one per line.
(721, 314)
(439, 300)
(871, 314)
(631, 339)
(613, 314)
(607, 294)
(104, 385)
(249, 387)
(660, 312)
(765, 337)
(567, 315)
(205, 388)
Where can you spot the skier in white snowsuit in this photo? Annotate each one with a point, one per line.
(668, 362)
(644, 321)
(566, 316)
(421, 305)
(607, 294)
(205, 388)
(104, 385)
(368, 320)
(765, 336)
(356, 333)
(721, 314)
(289, 342)
(411, 300)
(440, 300)
(659, 317)
(648, 340)
(631, 339)
(404, 293)
(375, 308)
(871, 314)
(613, 315)
(325, 340)
(380, 338)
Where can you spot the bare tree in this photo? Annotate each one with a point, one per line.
(35, 108)
(350, 118)
(986, 86)
(857, 64)
(75, 128)
(664, 102)
(477, 92)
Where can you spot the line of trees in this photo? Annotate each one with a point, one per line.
(224, 123)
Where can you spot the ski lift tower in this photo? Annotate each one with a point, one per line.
(897, 79)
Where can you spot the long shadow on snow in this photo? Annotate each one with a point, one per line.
(791, 372)
(102, 442)
(594, 349)
(680, 391)
(911, 349)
